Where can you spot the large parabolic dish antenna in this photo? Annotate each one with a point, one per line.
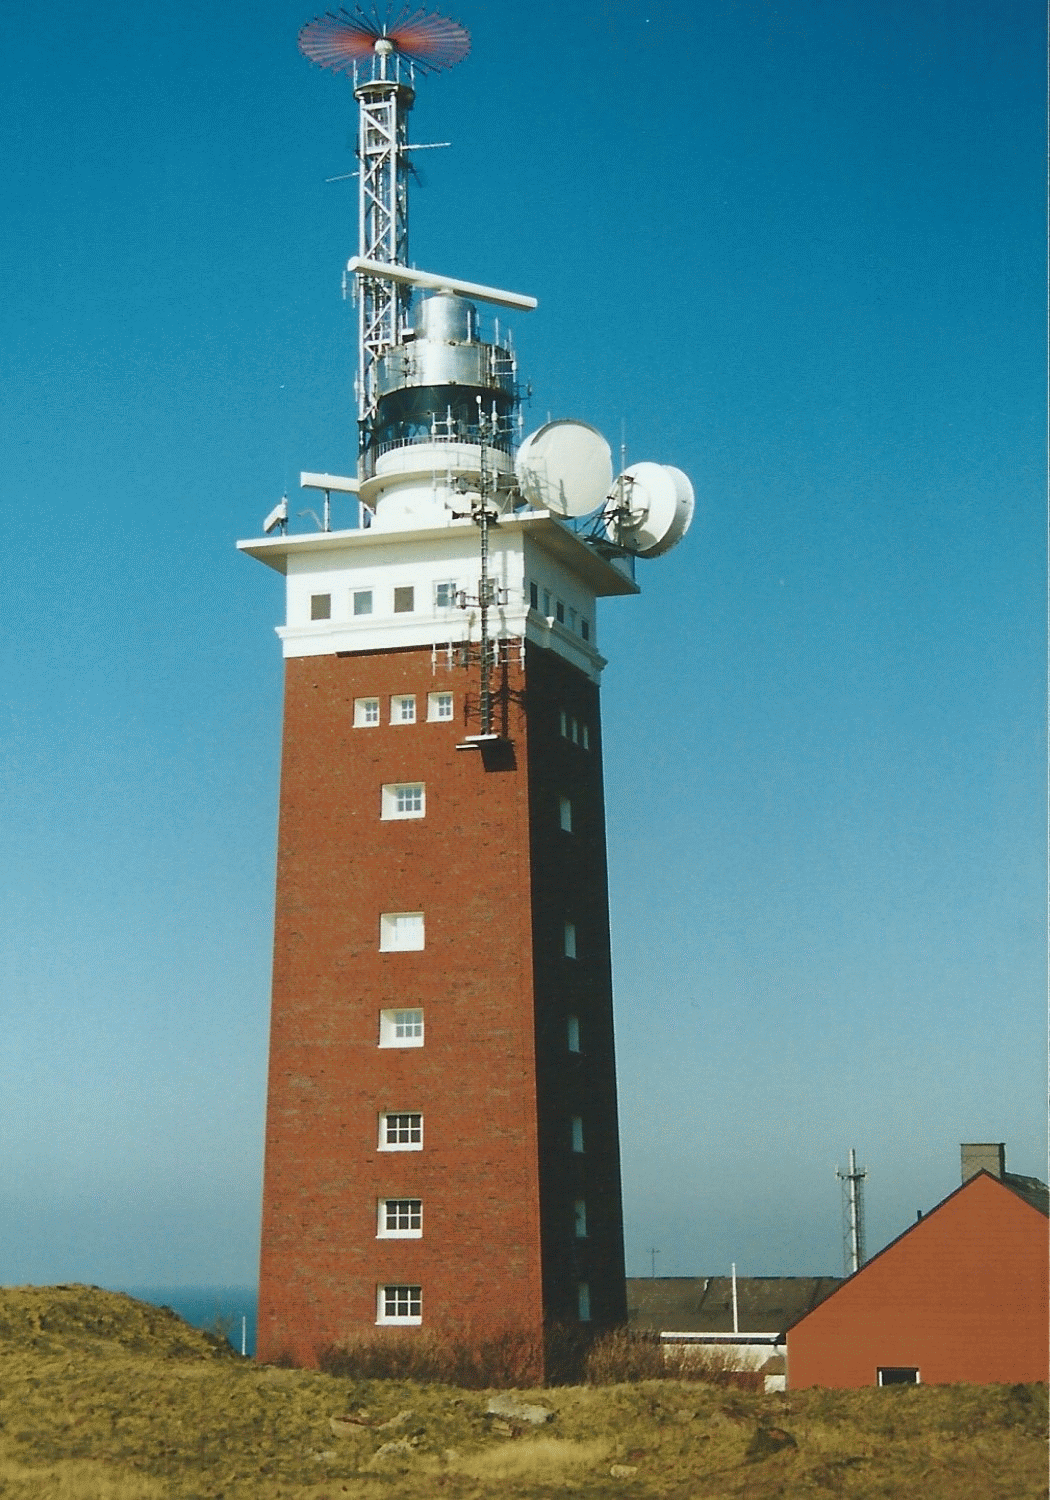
(565, 467)
(657, 509)
(340, 39)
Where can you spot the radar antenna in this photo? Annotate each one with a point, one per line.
(378, 53)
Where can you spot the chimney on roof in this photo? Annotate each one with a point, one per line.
(983, 1156)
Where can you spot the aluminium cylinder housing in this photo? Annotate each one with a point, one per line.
(442, 379)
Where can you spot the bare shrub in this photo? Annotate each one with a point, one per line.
(627, 1355)
(500, 1357)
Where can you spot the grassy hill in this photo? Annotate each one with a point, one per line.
(106, 1398)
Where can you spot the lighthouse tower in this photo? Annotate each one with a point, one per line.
(441, 1141)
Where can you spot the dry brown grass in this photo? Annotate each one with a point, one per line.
(102, 1398)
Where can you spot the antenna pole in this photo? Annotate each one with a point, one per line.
(853, 1214)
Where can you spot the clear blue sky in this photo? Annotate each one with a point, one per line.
(796, 249)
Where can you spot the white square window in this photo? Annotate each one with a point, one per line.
(399, 1304)
(362, 601)
(403, 709)
(583, 1301)
(577, 1133)
(320, 606)
(401, 932)
(580, 1212)
(404, 600)
(439, 706)
(366, 712)
(444, 595)
(572, 1031)
(401, 1028)
(400, 1219)
(404, 799)
(565, 813)
(569, 940)
(401, 1132)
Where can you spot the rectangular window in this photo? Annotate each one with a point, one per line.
(401, 932)
(565, 813)
(401, 1132)
(898, 1375)
(320, 606)
(574, 732)
(404, 601)
(583, 1301)
(559, 612)
(580, 1212)
(366, 712)
(572, 621)
(577, 1134)
(401, 1028)
(572, 1029)
(534, 596)
(547, 602)
(569, 939)
(445, 595)
(399, 1304)
(585, 629)
(564, 723)
(400, 1219)
(586, 738)
(439, 706)
(403, 709)
(405, 799)
(362, 601)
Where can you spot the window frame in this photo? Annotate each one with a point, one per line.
(406, 700)
(389, 927)
(404, 1208)
(433, 702)
(400, 1114)
(357, 596)
(390, 795)
(361, 709)
(897, 1370)
(389, 1023)
(416, 1300)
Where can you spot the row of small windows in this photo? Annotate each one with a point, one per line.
(402, 1219)
(402, 709)
(405, 932)
(408, 799)
(404, 1304)
(402, 1130)
(572, 729)
(363, 601)
(554, 608)
(405, 1028)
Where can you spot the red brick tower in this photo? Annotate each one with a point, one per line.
(441, 1143)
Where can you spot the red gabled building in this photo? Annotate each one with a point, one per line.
(961, 1296)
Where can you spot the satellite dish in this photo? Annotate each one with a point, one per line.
(656, 510)
(565, 467)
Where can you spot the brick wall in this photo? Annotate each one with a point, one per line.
(491, 870)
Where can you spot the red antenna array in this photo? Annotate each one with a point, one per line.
(341, 39)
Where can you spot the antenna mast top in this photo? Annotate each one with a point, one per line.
(373, 51)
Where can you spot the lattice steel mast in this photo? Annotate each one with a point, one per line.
(379, 54)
